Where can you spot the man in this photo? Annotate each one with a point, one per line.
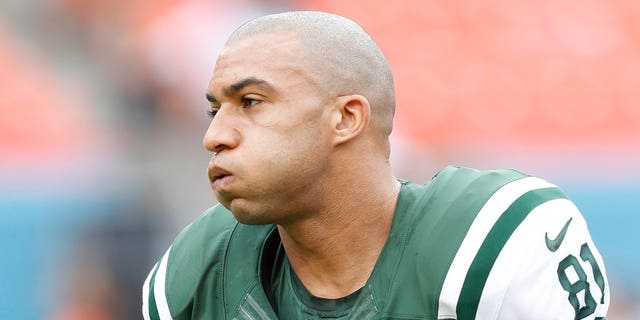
(312, 224)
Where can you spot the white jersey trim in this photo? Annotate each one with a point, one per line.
(145, 294)
(511, 257)
(159, 288)
(482, 224)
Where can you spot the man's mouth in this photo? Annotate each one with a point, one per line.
(219, 177)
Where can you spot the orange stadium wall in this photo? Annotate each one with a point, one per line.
(557, 74)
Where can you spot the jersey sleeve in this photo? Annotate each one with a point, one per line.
(169, 289)
(549, 269)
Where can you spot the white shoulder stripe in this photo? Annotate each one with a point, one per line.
(511, 261)
(145, 294)
(159, 286)
(484, 221)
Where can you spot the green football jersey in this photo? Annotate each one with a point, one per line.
(469, 244)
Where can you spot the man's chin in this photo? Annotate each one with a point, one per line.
(246, 215)
(250, 219)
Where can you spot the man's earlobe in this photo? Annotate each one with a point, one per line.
(353, 117)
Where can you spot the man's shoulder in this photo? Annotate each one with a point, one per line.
(439, 213)
(483, 233)
(461, 185)
(459, 176)
(207, 236)
(199, 248)
(456, 195)
(211, 263)
(212, 226)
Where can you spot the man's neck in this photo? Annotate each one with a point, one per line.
(334, 252)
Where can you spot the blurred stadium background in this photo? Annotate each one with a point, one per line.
(102, 113)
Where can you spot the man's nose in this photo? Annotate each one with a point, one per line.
(222, 133)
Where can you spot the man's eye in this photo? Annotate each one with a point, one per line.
(248, 102)
(212, 113)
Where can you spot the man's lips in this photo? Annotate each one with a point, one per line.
(219, 176)
(221, 182)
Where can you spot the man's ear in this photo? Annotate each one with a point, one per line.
(352, 115)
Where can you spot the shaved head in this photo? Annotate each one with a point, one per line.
(342, 58)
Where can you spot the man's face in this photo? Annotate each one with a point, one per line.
(270, 131)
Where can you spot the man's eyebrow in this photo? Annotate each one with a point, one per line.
(233, 89)
(236, 87)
